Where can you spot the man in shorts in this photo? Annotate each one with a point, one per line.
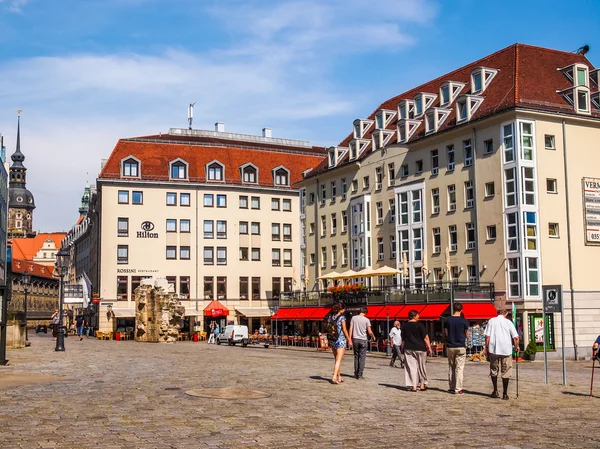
(500, 338)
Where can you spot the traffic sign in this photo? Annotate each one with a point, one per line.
(552, 295)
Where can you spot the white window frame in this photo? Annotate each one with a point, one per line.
(179, 162)
(471, 242)
(512, 232)
(510, 187)
(435, 201)
(514, 277)
(508, 142)
(469, 194)
(451, 198)
(243, 170)
(215, 171)
(468, 152)
(527, 141)
(437, 240)
(277, 176)
(491, 232)
(528, 186)
(453, 238)
(136, 162)
(450, 158)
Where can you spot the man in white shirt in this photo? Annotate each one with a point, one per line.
(500, 337)
(396, 343)
(262, 330)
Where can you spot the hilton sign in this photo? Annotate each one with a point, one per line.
(145, 233)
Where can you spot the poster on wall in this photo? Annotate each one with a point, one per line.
(538, 330)
(591, 207)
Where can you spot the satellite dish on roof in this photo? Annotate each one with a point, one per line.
(583, 50)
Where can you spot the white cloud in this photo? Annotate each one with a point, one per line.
(14, 5)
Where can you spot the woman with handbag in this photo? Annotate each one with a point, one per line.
(338, 345)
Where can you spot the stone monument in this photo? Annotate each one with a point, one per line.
(158, 312)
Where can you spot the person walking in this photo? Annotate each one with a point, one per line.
(500, 338)
(360, 327)
(396, 345)
(79, 321)
(54, 323)
(456, 350)
(416, 347)
(211, 337)
(217, 332)
(595, 347)
(338, 345)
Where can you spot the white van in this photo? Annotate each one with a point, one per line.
(234, 334)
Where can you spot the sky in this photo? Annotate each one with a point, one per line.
(88, 72)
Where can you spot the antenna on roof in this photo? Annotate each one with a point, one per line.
(191, 114)
(583, 50)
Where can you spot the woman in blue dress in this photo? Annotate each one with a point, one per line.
(339, 346)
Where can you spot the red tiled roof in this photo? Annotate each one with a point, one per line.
(26, 249)
(527, 77)
(34, 269)
(155, 156)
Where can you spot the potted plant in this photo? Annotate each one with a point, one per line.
(531, 350)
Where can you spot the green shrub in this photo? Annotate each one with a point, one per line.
(531, 348)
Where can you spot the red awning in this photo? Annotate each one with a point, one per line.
(403, 314)
(320, 313)
(215, 309)
(285, 314)
(372, 311)
(479, 310)
(432, 311)
(392, 311)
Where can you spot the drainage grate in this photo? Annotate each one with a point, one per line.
(227, 393)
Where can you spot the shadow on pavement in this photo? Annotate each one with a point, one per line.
(585, 395)
(397, 387)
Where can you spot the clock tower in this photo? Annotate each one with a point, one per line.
(20, 200)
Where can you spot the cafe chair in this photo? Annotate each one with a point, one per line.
(374, 344)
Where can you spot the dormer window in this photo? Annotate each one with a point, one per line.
(379, 122)
(578, 74)
(381, 137)
(357, 129)
(131, 167)
(281, 176)
(596, 99)
(444, 94)
(249, 174)
(481, 77)
(215, 172)
(179, 169)
(406, 109)
(419, 106)
(406, 129)
(449, 90)
(422, 102)
(434, 118)
(579, 97)
(353, 150)
(332, 157)
(582, 76)
(361, 127)
(466, 106)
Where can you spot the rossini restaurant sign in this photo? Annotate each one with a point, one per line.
(591, 206)
(146, 232)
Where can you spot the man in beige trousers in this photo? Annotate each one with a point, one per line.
(456, 350)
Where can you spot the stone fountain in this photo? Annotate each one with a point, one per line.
(158, 312)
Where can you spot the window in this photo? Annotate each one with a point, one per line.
(344, 221)
(528, 186)
(510, 187)
(333, 190)
(287, 284)
(468, 151)
(122, 254)
(255, 254)
(171, 199)
(184, 252)
(392, 247)
(379, 206)
(553, 230)
(209, 255)
(137, 197)
(344, 188)
(313, 258)
(491, 232)
(380, 254)
(173, 281)
(477, 81)
(281, 177)
(323, 193)
(418, 105)
(533, 285)
(184, 287)
(171, 225)
(249, 175)
(323, 257)
(311, 198)
(123, 227)
(243, 287)
(530, 230)
(221, 200)
(333, 224)
(209, 229)
(354, 185)
(287, 205)
(221, 255)
(275, 287)
(527, 141)
(311, 228)
(404, 170)
(392, 203)
(417, 243)
(171, 252)
(490, 189)
(435, 201)
(255, 227)
(276, 257)
(451, 198)
(403, 200)
(437, 241)
(445, 94)
(221, 229)
(435, 162)
(365, 182)
(419, 166)
(184, 226)
(416, 206)
(470, 235)
(512, 231)
(209, 200)
(122, 284)
(243, 227)
(275, 232)
(403, 236)
(244, 253)
(344, 254)
(178, 170)
(551, 185)
(472, 274)
(215, 172)
(583, 100)
(243, 202)
(509, 146)
(287, 232)
(549, 142)
(209, 287)
(488, 146)
(469, 194)
(450, 157)
(255, 202)
(462, 110)
(274, 203)
(453, 238)
(255, 288)
(287, 258)
(514, 277)
(131, 168)
(184, 199)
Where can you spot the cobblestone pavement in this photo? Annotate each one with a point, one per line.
(126, 394)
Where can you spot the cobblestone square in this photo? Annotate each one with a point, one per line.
(109, 394)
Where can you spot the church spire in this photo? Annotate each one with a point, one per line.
(17, 156)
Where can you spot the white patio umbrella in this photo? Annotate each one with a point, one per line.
(386, 271)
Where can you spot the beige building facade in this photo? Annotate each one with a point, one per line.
(484, 175)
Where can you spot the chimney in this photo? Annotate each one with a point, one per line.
(220, 127)
(266, 132)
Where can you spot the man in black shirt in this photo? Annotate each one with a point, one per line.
(456, 349)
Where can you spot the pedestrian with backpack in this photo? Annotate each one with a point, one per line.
(338, 337)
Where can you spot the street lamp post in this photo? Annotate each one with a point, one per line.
(62, 258)
(26, 281)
